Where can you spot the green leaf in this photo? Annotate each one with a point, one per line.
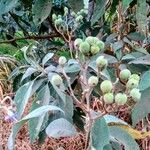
(7, 5)
(122, 136)
(41, 10)
(28, 73)
(47, 57)
(36, 113)
(141, 109)
(22, 97)
(35, 125)
(145, 81)
(141, 15)
(76, 5)
(100, 134)
(98, 11)
(60, 128)
(125, 4)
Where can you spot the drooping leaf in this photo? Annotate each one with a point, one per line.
(142, 107)
(22, 97)
(35, 113)
(100, 134)
(41, 10)
(98, 11)
(122, 136)
(145, 81)
(35, 125)
(47, 57)
(60, 128)
(7, 5)
(28, 73)
(141, 15)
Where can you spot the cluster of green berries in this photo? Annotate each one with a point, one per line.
(77, 18)
(132, 83)
(91, 45)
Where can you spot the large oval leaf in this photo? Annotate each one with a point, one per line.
(60, 128)
(145, 81)
(141, 109)
(122, 136)
(41, 10)
(100, 134)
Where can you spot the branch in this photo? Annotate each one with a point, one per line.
(39, 37)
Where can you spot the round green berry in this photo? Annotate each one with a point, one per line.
(54, 17)
(106, 86)
(56, 80)
(90, 40)
(135, 94)
(125, 74)
(77, 42)
(132, 83)
(94, 49)
(135, 76)
(108, 98)
(121, 99)
(84, 47)
(101, 62)
(73, 14)
(58, 22)
(79, 18)
(92, 81)
(62, 61)
(100, 44)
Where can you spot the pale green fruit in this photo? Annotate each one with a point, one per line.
(135, 94)
(132, 83)
(94, 49)
(62, 61)
(100, 44)
(84, 47)
(121, 99)
(65, 11)
(58, 22)
(92, 81)
(77, 42)
(90, 40)
(106, 86)
(73, 14)
(79, 18)
(56, 80)
(108, 98)
(135, 76)
(125, 74)
(54, 17)
(101, 62)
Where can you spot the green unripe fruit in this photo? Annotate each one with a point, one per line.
(58, 22)
(77, 42)
(73, 14)
(65, 11)
(100, 44)
(132, 83)
(84, 47)
(108, 98)
(106, 86)
(135, 94)
(56, 80)
(90, 40)
(101, 62)
(125, 74)
(79, 18)
(121, 99)
(54, 17)
(92, 81)
(94, 49)
(62, 61)
(95, 39)
(135, 76)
